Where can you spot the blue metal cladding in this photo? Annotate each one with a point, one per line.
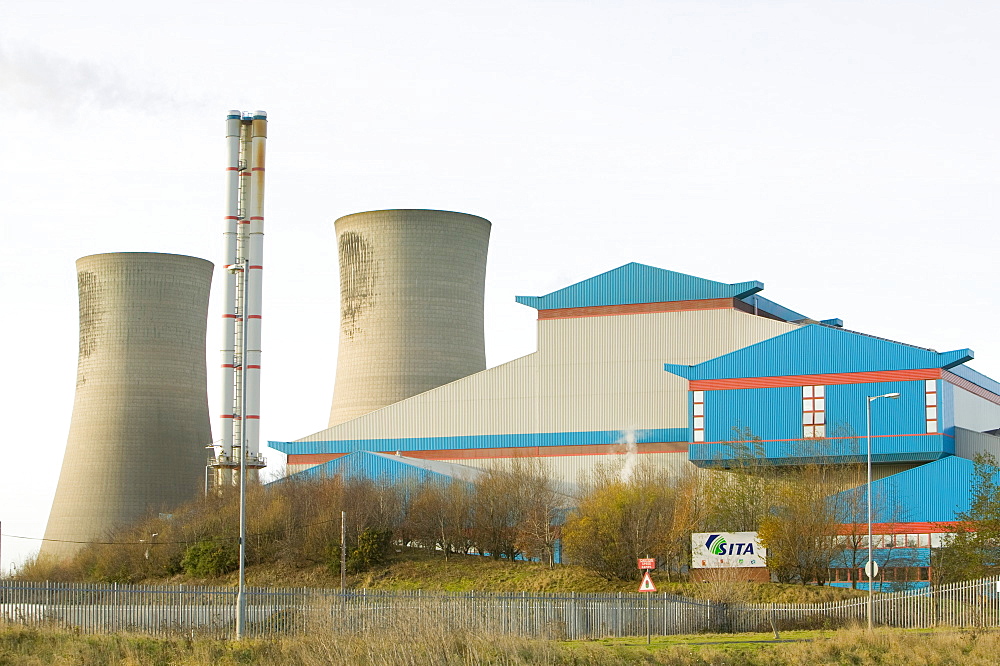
(845, 408)
(481, 441)
(815, 349)
(835, 450)
(638, 283)
(372, 466)
(907, 556)
(769, 413)
(775, 416)
(946, 407)
(931, 493)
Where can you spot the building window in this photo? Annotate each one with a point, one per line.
(698, 411)
(931, 405)
(813, 412)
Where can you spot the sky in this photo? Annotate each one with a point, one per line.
(845, 153)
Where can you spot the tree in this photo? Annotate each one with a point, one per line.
(543, 511)
(439, 516)
(799, 532)
(617, 521)
(498, 507)
(738, 496)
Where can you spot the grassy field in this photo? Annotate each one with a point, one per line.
(31, 647)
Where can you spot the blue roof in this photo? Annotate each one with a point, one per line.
(934, 492)
(638, 283)
(381, 466)
(817, 349)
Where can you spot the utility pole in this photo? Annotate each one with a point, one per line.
(343, 551)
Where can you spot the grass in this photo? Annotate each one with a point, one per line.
(417, 569)
(30, 647)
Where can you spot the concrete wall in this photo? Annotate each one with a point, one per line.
(411, 306)
(140, 416)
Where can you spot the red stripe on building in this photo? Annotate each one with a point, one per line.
(232, 168)
(970, 387)
(256, 218)
(253, 316)
(228, 416)
(815, 380)
(253, 367)
(253, 416)
(256, 267)
(257, 169)
(638, 308)
(231, 217)
(227, 365)
(312, 458)
(230, 317)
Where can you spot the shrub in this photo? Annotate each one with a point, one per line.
(210, 558)
(372, 550)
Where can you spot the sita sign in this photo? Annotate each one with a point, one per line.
(726, 549)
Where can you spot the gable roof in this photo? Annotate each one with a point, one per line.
(394, 468)
(819, 349)
(638, 283)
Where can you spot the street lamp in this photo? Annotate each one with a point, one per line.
(870, 567)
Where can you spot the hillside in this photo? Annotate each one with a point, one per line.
(416, 569)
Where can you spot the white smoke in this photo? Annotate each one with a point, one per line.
(45, 82)
(631, 452)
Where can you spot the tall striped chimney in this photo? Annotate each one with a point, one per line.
(243, 239)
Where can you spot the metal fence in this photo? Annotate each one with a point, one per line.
(208, 610)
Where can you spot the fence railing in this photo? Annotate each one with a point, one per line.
(209, 610)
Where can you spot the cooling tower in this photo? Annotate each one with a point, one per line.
(140, 417)
(411, 305)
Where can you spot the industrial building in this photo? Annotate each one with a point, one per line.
(645, 363)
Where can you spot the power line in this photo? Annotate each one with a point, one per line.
(166, 543)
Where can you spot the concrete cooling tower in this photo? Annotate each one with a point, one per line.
(140, 418)
(411, 305)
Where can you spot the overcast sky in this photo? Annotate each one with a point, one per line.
(843, 153)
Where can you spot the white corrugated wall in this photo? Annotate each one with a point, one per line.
(590, 374)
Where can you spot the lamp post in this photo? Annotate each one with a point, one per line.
(241, 598)
(870, 567)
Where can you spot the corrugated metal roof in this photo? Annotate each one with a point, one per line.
(817, 349)
(399, 469)
(638, 283)
(543, 440)
(392, 468)
(934, 492)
